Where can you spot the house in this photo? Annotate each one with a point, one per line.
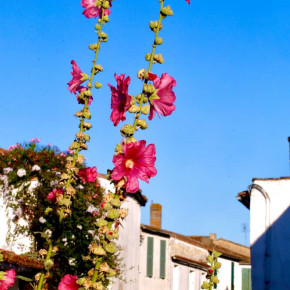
(268, 200)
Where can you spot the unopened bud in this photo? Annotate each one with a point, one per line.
(148, 56)
(87, 125)
(84, 77)
(79, 114)
(158, 58)
(128, 129)
(134, 109)
(106, 18)
(106, 5)
(74, 145)
(158, 40)
(142, 124)
(167, 11)
(87, 114)
(141, 73)
(84, 146)
(148, 88)
(98, 85)
(145, 109)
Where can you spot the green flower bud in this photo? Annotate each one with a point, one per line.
(64, 201)
(48, 264)
(64, 175)
(115, 234)
(48, 210)
(97, 26)
(167, 11)
(109, 236)
(106, 206)
(128, 129)
(84, 146)
(113, 214)
(81, 281)
(87, 93)
(148, 56)
(111, 248)
(158, 58)
(214, 279)
(94, 46)
(79, 114)
(216, 254)
(103, 35)
(116, 202)
(217, 265)
(209, 259)
(134, 109)
(106, 5)
(106, 18)
(74, 145)
(87, 114)
(138, 97)
(98, 85)
(148, 88)
(112, 273)
(158, 40)
(86, 137)
(142, 124)
(84, 77)
(205, 285)
(1, 258)
(98, 68)
(145, 109)
(101, 222)
(99, 251)
(87, 125)
(118, 148)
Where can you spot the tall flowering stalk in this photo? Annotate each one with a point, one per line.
(133, 160)
(64, 194)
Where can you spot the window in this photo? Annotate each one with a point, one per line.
(150, 257)
(162, 259)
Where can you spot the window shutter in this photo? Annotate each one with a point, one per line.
(149, 257)
(233, 276)
(162, 258)
(246, 279)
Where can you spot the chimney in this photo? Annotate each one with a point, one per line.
(155, 215)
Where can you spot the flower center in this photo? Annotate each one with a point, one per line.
(129, 163)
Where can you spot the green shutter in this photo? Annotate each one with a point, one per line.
(215, 285)
(246, 279)
(233, 276)
(149, 257)
(162, 258)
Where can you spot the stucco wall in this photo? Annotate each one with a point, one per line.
(270, 235)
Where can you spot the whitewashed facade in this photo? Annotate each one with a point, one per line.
(269, 203)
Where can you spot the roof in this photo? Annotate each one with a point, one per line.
(138, 196)
(271, 178)
(244, 198)
(20, 260)
(189, 262)
(229, 250)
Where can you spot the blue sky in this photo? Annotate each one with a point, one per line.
(231, 63)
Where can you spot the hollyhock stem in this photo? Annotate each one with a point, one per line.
(40, 283)
(137, 115)
(68, 183)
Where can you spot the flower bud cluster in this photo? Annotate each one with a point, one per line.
(212, 272)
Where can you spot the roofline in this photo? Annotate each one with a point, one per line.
(271, 178)
(226, 253)
(189, 262)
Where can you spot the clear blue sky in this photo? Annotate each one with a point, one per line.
(231, 61)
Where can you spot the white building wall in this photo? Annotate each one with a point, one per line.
(129, 243)
(155, 282)
(270, 235)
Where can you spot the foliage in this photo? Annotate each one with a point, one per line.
(43, 167)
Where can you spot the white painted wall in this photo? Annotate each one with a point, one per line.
(271, 266)
(155, 282)
(129, 243)
(22, 243)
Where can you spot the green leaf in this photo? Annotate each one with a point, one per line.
(24, 278)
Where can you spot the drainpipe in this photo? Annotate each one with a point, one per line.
(267, 256)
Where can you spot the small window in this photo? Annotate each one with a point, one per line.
(150, 257)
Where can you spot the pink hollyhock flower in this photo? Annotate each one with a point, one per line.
(88, 174)
(77, 79)
(54, 193)
(68, 282)
(188, 1)
(120, 100)
(82, 101)
(166, 97)
(9, 279)
(91, 10)
(136, 161)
